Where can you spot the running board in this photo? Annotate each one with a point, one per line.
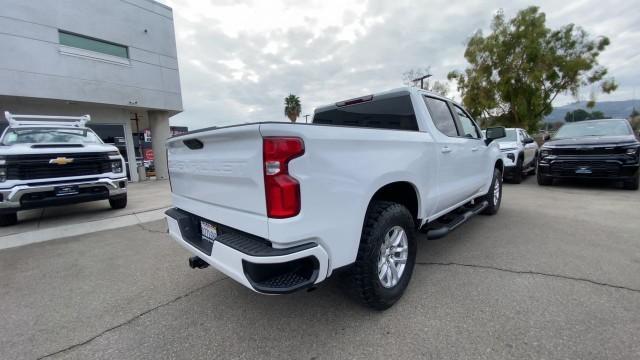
(447, 223)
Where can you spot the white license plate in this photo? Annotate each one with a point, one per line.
(209, 231)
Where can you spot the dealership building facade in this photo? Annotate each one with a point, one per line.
(114, 60)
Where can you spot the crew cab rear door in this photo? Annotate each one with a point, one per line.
(217, 174)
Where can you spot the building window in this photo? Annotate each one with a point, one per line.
(87, 43)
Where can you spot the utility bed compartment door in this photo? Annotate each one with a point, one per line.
(223, 179)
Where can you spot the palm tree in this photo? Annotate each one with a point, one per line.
(292, 107)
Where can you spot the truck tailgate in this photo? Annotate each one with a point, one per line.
(222, 180)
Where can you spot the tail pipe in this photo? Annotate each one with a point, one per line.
(197, 263)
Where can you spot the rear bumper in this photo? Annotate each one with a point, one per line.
(24, 197)
(251, 260)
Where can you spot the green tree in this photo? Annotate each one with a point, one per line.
(577, 115)
(517, 71)
(292, 107)
(438, 87)
(581, 115)
(597, 115)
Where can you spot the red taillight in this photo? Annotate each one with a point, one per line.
(281, 190)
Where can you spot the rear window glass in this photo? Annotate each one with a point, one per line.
(394, 113)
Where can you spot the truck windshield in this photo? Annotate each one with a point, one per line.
(50, 135)
(594, 128)
(511, 136)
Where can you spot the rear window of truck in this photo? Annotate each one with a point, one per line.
(391, 113)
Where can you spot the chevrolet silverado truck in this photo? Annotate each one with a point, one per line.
(593, 149)
(56, 160)
(281, 207)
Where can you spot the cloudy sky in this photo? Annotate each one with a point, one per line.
(239, 59)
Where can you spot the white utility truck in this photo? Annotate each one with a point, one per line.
(56, 160)
(280, 207)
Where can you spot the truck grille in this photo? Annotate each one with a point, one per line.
(587, 151)
(597, 168)
(30, 167)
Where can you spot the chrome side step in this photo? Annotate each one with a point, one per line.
(447, 223)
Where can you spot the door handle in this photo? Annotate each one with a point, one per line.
(446, 149)
(474, 148)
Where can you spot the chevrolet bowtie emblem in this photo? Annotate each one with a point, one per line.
(61, 161)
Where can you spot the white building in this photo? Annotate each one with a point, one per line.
(114, 60)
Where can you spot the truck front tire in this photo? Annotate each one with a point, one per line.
(118, 202)
(544, 180)
(633, 183)
(383, 266)
(494, 196)
(516, 177)
(8, 219)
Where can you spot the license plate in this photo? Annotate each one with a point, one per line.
(583, 170)
(209, 231)
(66, 190)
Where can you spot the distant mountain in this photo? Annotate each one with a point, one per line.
(614, 109)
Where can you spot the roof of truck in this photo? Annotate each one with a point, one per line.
(381, 95)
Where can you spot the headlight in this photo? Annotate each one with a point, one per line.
(632, 151)
(545, 152)
(508, 149)
(116, 166)
(511, 156)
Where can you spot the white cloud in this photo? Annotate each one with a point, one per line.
(239, 59)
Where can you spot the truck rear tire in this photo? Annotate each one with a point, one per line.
(8, 219)
(119, 202)
(494, 196)
(386, 256)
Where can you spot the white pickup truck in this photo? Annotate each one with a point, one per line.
(280, 207)
(56, 160)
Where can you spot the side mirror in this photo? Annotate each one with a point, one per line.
(546, 137)
(527, 141)
(493, 133)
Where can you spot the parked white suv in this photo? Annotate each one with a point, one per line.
(56, 160)
(280, 207)
(520, 154)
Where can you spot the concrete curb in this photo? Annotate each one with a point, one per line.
(36, 236)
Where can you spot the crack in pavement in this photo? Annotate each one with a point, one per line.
(71, 347)
(526, 272)
(530, 272)
(165, 231)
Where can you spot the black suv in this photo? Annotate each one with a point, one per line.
(594, 149)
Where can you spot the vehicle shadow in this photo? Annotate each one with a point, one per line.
(595, 184)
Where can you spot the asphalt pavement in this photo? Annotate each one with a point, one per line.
(555, 275)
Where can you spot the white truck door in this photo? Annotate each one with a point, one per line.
(455, 163)
(475, 148)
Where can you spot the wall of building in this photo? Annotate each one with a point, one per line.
(33, 63)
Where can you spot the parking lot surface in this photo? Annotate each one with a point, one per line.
(555, 275)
